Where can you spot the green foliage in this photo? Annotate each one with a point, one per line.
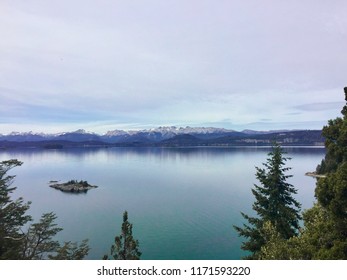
(37, 242)
(71, 182)
(321, 236)
(125, 246)
(318, 240)
(324, 235)
(275, 247)
(84, 183)
(274, 203)
(331, 191)
(75, 182)
(71, 251)
(335, 134)
(12, 214)
(305, 246)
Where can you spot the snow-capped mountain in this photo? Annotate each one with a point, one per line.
(166, 132)
(173, 130)
(161, 136)
(24, 136)
(78, 135)
(148, 136)
(116, 136)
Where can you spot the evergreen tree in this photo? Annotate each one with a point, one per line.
(71, 251)
(125, 246)
(275, 246)
(38, 240)
(313, 242)
(335, 134)
(331, 191)
(274, 203)
(12, 214)
(324, 235)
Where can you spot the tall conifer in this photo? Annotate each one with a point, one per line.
(324, 234)
(125, 247)
(274, 203)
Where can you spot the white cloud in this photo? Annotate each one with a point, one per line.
(155, 62)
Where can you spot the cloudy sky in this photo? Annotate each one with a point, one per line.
(133, 64)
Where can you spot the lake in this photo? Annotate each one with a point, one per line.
(182, 202)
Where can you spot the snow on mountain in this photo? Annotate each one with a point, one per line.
(188, 130)
(162, 133)
(170, 135)
(115, 133)
(24, 136)
(116, 136)
(78, 131)
(30, 133)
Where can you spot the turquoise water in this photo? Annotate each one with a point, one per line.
(182, 202)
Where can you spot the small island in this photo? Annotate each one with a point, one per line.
(72, 186)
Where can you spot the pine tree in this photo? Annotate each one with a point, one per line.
(12, 214)
(324, 234)
(274, 203)
(125, 246)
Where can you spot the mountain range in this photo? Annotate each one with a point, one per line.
(163, 136)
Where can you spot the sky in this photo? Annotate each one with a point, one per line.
(137, 64)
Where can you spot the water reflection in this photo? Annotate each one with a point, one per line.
(182, 201)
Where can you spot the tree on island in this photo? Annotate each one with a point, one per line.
(125, 246)
(37, 242)
(274, 205)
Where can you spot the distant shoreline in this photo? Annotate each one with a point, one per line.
(194, 138)
(29, 146)
(107, 146)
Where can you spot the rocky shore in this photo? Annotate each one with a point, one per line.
(72, 186)
(314, 174)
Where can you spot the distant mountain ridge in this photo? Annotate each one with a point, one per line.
(166, 136)
(155, 134)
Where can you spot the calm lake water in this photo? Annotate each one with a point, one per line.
(183, 202)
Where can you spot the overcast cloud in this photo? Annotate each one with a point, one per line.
(108, 64)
